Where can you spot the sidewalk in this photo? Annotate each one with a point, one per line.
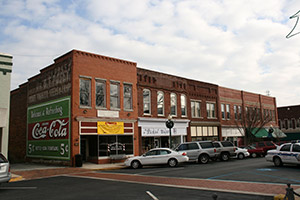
(25, 171)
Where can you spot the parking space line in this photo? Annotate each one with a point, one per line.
(153, 172)
(18, 188)
(151, 195)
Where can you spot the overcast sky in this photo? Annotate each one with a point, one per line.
(240, 44)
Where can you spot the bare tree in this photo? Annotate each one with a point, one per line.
(251, 121)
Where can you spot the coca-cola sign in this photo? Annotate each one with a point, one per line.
(53, 129)
(48, 129)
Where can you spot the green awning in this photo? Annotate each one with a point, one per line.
(262, 133)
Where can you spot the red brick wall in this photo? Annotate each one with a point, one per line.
(18, 124)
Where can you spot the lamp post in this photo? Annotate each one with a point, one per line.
(169, 125)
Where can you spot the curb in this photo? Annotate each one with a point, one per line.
(17, 178)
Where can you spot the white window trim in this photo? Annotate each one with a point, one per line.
(195, 100)
(148, 102)
(173, 115)
(186, 114)
(163, 104)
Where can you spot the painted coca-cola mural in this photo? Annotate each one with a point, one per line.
(48, 129)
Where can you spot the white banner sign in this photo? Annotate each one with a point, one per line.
(150, 132)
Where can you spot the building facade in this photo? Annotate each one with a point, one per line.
(5, 78)
(103, 108)
(289, 121)
(234, 104)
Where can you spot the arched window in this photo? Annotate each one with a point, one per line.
(183, 105)
(173, 98)
(147, 101)
(160, 103)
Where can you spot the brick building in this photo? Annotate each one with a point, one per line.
(235, 103)
(105, 108)
(289, 121)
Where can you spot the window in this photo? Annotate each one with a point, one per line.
(235, 110)
(173, 98)
(127, 97)
(206, 145)
(286, 147)
(195, 108)
(210, 108)
(192, 146)
(223, 111)
(296, 148)
(228, 111)
(85, 92)
(160, 103)
(101, 93)
(227, 144)
(114, 95)
(183, 105)
(240, 112)
(147, 101)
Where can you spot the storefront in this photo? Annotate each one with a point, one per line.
(204, 131)
(102, 141)
(154, 132)
(233, 134)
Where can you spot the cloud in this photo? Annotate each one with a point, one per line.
(236, 43)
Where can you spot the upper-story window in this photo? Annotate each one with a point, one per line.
(228, 111)
(85, 92)
(183, 105)
(147, 101)
(195, 108)
(235, 111)
(114, 95)
(160, 103)
(127, 96)
(211, 110)
(223, 110)
(240, 112)
(173, 98)
(100, 93)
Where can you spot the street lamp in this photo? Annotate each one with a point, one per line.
(169, 125)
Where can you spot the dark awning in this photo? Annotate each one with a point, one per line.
(264, 133)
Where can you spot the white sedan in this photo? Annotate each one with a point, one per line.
(241, 153)
(5, 174)
(288, 153)
(157, 156)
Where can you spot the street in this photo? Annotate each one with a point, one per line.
(187, 181)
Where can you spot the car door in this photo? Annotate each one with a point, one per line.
(295, 157)
(285, 153)
(149, 158)
(163, 156)
(193, 150)
(218, 148)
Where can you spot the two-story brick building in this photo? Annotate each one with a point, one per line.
(289, 121)
(102, 108)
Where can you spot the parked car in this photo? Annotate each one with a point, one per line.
(265, 145)
(255, 152)
(288, 153)
(5, 174)
(157, 156)
(225, 150)
(200, 151)
(241, 153)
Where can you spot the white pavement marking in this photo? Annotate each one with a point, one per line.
(152, 196)
(153, 172)
(18, 188)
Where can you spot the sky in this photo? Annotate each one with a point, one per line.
(238, 44)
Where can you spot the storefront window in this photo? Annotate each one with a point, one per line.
(115, 144)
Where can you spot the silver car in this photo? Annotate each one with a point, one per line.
(157, 156)
(5, 174)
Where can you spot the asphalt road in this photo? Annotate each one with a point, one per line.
(64, 187)
(250, 169)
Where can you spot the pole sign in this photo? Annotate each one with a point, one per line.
(48, 130)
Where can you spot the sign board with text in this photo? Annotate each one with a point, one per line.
(48, 129)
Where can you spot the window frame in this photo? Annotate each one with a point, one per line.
(147, 90)
(173, 96)
(223, 111)
(193, 111)
(161, 103)
(116, 83)
(89, 79)
(183, 106)
(211, 110)
(103, 81)
(228, 114)
(130, 98)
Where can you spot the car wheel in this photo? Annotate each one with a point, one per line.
(135, 164)
(224, 156)
(241, 156)
(204, 158)
(172, 162)
(277, 162)
(253, 155)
